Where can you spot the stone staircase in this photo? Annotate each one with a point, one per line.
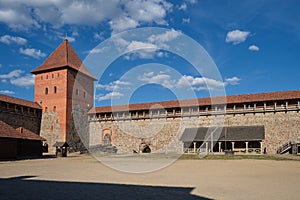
(284, 148)
(288, 147)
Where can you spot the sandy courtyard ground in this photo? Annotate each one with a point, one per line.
(83, 177)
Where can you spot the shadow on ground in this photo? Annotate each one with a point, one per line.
(24, 188)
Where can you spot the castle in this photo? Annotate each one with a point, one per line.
(63, 111)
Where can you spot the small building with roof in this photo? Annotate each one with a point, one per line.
(18, 143)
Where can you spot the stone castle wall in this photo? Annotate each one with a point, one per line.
(163, 134)
(21, 116)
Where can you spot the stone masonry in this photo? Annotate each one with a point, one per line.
(163, 134)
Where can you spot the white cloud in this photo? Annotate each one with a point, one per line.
(160, 79)
(148, 10)
(237, 36)
(17, 78)
(192, 1)
(6, 92)
(199, 83)
(112, 86)
(17, 17)
(108, 96)
(146, 49)
(99, 36)
(186, 20)
(253, 48)
(35, 53)
(7, 39)
(182, 7)
(142, 50)
(232, 81)
(164, 37)
(122, 23)
(13, 74)
(121, 15)
(23, 81)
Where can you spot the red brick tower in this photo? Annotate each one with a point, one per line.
(61, 84)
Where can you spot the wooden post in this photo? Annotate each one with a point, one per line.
(232, 144)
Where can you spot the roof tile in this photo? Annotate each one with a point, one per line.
(235, 99)
(63, 56)
(6, 131)
(18, 101)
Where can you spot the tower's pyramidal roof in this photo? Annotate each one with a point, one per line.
(63, 56)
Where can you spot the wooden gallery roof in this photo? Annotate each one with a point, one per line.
(20, 102)
(235, 99)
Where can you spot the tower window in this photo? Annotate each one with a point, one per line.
(83, 94)
(46, 90)
(55, 89)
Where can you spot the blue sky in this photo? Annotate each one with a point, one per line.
(254, 44)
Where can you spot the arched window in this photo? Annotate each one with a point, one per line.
(46, 109)
(55, 89)
(54, 108)
(51, 128)
(77, 92)
(83, 94)
(46, 90)
(106, 139)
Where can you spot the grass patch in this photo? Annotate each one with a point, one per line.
(232, 157)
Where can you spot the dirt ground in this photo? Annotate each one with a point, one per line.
(83, 177)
